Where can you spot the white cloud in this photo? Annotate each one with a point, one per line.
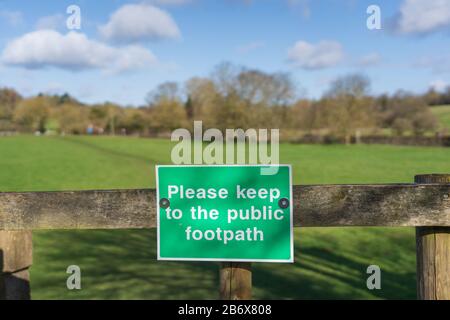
(315, 56)
(369, 60)
(13, 18)
(139, 22)
(422, 16)
(72, 51)
(54, 22)
(439, 85)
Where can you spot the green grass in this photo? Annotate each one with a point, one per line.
(330, 262)
(443, 115)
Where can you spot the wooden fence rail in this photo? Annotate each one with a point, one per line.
(425, 204)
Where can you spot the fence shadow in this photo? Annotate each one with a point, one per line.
(115, 265)
(2, 278)
(12, 287)
(323, 274)
(121, 264)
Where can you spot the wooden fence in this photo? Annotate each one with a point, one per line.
(424, 205)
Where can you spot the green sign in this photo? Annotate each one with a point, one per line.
(224, 213)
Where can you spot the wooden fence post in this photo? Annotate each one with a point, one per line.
(15, 259)
(433, 252)
(235, 281)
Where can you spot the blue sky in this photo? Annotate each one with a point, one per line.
(125, 48)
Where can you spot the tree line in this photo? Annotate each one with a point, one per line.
(231, 97)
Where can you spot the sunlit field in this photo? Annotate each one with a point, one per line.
(330, 262)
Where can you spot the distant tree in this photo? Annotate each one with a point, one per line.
(445, 96)
(265, 97)
(432, 97)
(232, 97)
(407, 112)
(400, 126)
(423, 122)
(202, 93)
(231, 112)
(106, 116)
(32, 114)
(72, 118)
(189, 106)
(352, 85)
(135, 120)
(224, 77)
(9, 99)
(257, 87)
(348, 105)
(164, 91)
(113, 112)
(167, 115)
(66, 98)
(98, 116)
(166, 108)
(302, 116)
(251, 98)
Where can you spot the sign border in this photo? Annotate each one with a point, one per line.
(291, 206)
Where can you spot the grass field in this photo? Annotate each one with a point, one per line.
(443, 115)
(330, 262)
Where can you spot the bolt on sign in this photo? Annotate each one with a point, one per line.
(224, 213)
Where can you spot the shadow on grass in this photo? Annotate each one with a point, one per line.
(12, 285)
(115, 265)
(121, 265)
(322, 274)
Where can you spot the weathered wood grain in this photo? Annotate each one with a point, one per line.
(78, 210)
(15, 250)
(433, 254)
(235, 281)
(314, 206)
